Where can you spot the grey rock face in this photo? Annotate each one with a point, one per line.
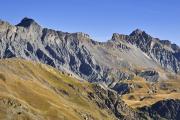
(151, 76)
(161, 51)
(122, 88)
(108, 99)
(78, 54)
(166, 109)
(61, 50)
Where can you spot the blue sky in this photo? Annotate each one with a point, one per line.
(99, 18)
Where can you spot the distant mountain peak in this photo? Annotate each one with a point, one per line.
(137, 32)
(117, 36)
(81, 34)
(27, 22)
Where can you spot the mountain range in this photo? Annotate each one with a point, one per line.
(132, 76)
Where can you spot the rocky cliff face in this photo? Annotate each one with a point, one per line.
(61, 50)
(166, 109)
(161, 51)
(109, 99)
(78, 54)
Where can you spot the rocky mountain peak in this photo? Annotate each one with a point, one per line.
(175, 47)
(165, 42)
(117, 36)
(2, 22)
(3, 25)
(137, 32)
(81, 35)
(140, 34)
(27, 22)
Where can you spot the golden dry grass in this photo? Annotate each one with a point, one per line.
(58, 96)
(46, 91)
(143, 95)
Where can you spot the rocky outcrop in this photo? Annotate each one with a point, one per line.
(13, 109)
(166, 109)
(122, 88)
(108, 99)
(150, 75)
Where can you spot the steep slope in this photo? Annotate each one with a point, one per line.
(166, 109)
(30, 90)
(78, 54)
(139, 92)
(161, 51)
(35, 91)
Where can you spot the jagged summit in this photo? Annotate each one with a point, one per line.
(74, 51)
(1, 21)
(27, 22)
(137, 32)
(81, 35)
(117, 36)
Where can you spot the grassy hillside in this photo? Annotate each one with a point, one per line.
(145, 93)
(34, 91)
(30, 90)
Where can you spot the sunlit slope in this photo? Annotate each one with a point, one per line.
(144, 93)
(30, 90)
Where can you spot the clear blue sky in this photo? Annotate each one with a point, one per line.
(99, 18)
